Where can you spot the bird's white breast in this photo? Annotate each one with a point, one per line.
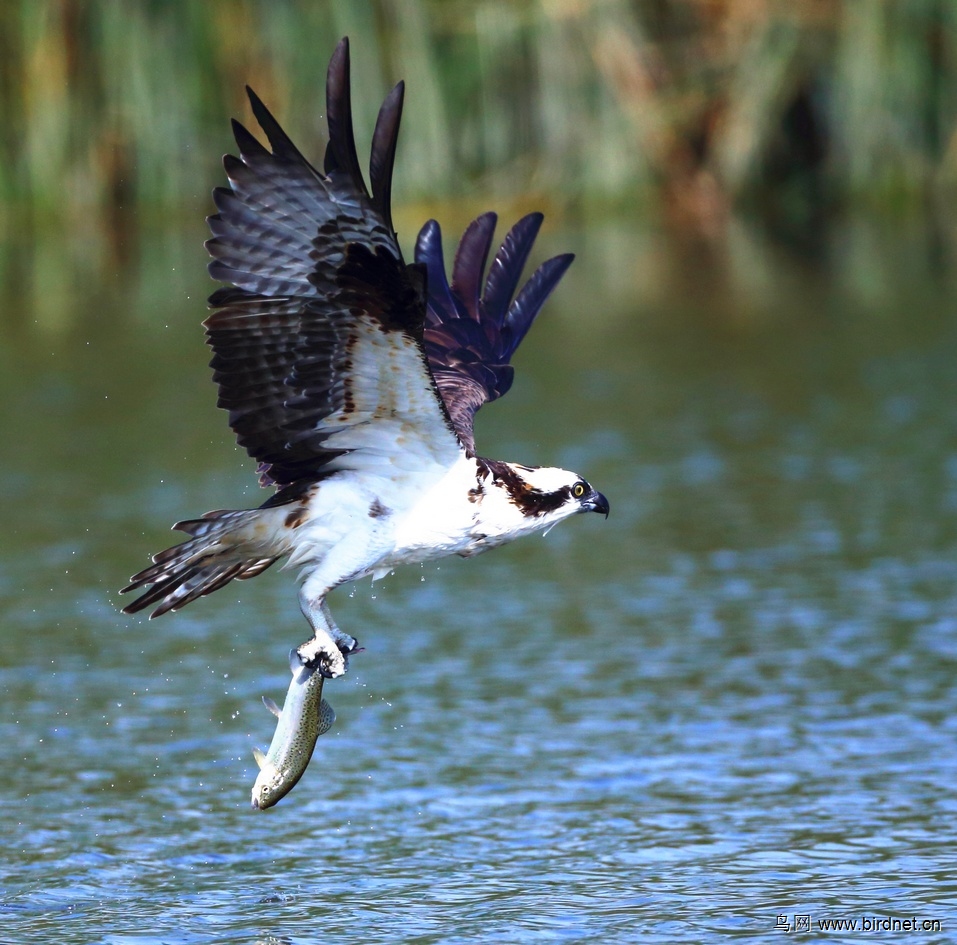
(360, 524)
(440, 519)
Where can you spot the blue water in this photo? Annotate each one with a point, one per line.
(732, 701)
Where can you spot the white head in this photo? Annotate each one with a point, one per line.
(546, 493)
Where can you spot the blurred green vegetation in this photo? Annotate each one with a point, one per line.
(695, 104)
(688, 118)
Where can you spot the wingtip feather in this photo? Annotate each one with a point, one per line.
(506, 269)
(531, 298)
(279, 141)
(471, 256)
(246, 141)
(382, 161)
(341, 151)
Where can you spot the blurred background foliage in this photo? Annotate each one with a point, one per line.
(683, 114)
(698, 104)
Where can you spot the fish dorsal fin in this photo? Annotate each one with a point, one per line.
(327, 715)
(271, 705)
(260, 758)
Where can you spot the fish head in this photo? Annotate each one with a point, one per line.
(269, 787)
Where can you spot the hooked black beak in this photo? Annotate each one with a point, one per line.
(595, 502)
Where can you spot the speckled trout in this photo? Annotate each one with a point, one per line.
(305, 716)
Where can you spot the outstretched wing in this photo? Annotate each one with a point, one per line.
(472, 331)
(317, 340)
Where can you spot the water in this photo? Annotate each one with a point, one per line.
(733, 700)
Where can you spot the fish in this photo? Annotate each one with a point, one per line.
(304, 717)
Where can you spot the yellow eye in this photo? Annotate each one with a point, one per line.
(578, 490)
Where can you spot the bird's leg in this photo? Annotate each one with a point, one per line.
(329, 646)
(347, 644)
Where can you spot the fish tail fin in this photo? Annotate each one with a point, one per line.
(224, 545)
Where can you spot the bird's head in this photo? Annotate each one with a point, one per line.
(547, 493)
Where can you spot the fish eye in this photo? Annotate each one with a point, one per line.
(578, 490)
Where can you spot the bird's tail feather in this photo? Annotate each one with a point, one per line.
(222, 547)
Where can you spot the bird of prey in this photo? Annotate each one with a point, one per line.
(353, 378)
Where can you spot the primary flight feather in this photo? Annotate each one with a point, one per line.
(354, 378)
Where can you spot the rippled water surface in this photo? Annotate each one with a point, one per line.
(733, 701)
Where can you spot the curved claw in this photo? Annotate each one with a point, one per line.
(328, 663)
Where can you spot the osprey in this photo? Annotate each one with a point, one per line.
(354, 377)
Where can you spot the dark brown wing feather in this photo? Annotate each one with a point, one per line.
(323, 348)
(312, 260)
(472, 332)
